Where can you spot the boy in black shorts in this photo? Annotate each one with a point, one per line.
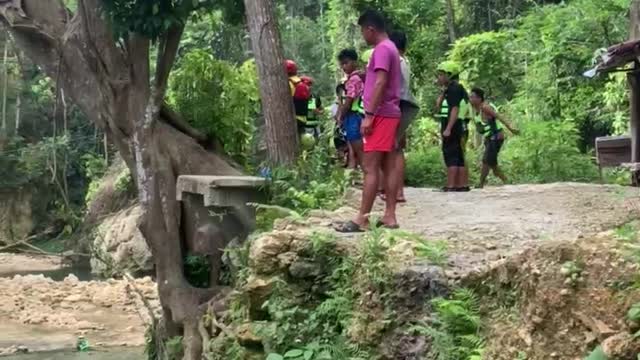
(455, 102)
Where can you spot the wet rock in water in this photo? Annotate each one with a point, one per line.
(121, 244)
(71, 279)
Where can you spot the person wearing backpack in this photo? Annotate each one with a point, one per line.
(315, 104)
(301, 94)
(351, 110)
(488, 123)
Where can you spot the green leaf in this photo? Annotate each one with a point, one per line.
(309, 354)
(273, 356)
(293, 354)
(597, 354)
(634, 312)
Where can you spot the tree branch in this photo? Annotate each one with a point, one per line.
(167, 53)
(174, 119)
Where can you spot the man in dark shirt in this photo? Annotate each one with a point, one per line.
(454, 109)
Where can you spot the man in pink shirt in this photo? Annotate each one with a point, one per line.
(382, 117)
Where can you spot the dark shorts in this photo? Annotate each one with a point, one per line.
(452, 150)
(409, 112)
(491, 149)
(352, 122)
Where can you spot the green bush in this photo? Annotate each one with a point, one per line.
(218, 98)
(425, 167)
(316, 181)
(545, 152)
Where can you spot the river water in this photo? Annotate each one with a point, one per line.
(113, 354)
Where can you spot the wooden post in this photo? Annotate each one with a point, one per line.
(634, 126)
(634, 83)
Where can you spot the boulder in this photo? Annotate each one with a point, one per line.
(258, 290)
(621, 346)
(119, 246)
(16, 218)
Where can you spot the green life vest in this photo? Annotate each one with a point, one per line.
(464, 111)
(487, 128)
(443, 115)
(312, 116)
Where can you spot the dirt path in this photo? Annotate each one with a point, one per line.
(497, 222)
(482, 226)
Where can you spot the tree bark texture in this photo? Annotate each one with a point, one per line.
(277, 104)
(110, 82)
(451, 21)
(634, 84)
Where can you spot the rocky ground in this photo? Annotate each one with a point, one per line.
(510, 244)
(514, 238)
(40, 314)
(499, 222)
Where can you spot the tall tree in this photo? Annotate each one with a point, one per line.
(451, 21)
(104, 67)
(277, 107)
(634, 82)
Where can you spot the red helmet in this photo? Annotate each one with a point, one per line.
(291, 67)
(307, 80)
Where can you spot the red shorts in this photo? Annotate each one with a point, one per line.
(383, 135)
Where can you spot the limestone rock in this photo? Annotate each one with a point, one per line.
(304, 269)
(121, 245)
(621, 346)
(247, 337)
(16, 218)
(264, 251)
(258, 290)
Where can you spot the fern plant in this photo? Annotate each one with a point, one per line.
(455, 331)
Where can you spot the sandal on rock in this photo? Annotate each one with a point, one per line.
(348, 227)
(381, 224)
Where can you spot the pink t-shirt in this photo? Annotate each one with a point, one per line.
(385, 57)
(354, 86)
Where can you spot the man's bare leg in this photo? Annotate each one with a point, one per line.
(358, 150)
(371, 167)
(400, 167)
(463, 181)
(392, 177)
(499, 174)
(452, 174)
(483, 175)
(352, 164)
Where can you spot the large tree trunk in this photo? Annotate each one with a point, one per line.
(111, 84)
(277, 106)
(451, 21)
(634, 83)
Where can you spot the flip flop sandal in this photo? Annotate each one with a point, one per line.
(348, 227)
(380, 224)
(444, 189)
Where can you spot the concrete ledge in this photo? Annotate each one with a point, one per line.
(211, 186)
